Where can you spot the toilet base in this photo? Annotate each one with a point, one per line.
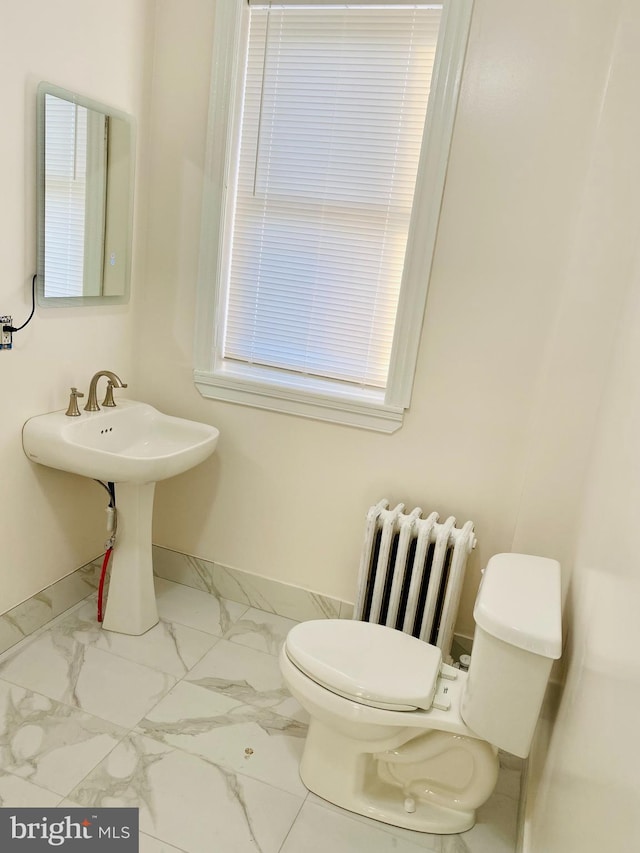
(387, 805)
(345, 772)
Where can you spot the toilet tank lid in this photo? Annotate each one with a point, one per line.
(519, 602)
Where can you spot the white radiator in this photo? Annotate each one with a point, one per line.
(411, 572)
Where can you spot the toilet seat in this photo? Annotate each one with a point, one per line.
(360, 661)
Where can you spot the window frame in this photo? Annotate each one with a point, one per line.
(276, 390)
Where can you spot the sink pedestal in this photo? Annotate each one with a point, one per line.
(131, 602)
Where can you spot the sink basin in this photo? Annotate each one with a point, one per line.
(131, 443)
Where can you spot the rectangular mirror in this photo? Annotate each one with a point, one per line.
(85, 200)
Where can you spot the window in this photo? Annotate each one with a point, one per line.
(322, 207)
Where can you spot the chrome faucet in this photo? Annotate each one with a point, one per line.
(114, 382)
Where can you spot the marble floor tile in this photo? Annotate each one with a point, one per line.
(195, 608)
(17, 793)
(10, 631)
(47, 743)
(189, 802)
(272, 596)
(247, 675)
(424, 840)
(44, 629)
(96, 681)
(168, 646)
(248, 740)
(54, 600)
(148, 844)
(258, 630)
(252, 590)
(318, 830)
(495, 829)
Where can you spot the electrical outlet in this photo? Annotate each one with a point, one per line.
(6, 338)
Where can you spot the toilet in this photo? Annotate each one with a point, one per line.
(401, 737)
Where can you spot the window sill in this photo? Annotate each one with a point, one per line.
(365, 409)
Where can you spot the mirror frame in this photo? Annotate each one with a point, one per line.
(79, 301)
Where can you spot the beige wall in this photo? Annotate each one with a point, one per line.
(585, 776)
(286, 497)
(601, 256)
(51, 522)
(585, 798)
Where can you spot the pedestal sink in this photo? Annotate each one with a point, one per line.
(132, 445)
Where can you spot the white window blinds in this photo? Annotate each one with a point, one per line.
(74, 198)
(65, 191)
(335, 100)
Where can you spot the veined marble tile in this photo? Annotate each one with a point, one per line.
(246, 675)
(189, 802)
(510, 775)
(496, 829)
(54, 600)
(263, 631)
(147, 844)
(26, 641)
(10, 632)
(346, 610)
(274, 596)
(47, 743)
(190, 571)
(26, 618)
(168, 646)
(424, 840)
(248, 740)
(17, 793)
(74, 587)
(195, 608)
(317, 830)
(263, 593)
(96, 681)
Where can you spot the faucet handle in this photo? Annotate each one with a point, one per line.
(73, 411)
(108, 397)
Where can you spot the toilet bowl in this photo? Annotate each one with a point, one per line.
(397, 735)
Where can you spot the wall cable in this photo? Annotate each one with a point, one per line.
(12, 329)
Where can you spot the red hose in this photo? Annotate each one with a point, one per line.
(105, 563)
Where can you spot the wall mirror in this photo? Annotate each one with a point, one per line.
(85, 200)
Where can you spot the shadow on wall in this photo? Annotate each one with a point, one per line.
(595, 744)
(77, 505)
(175, 503)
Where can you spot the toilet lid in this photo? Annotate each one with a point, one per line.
(369, 663)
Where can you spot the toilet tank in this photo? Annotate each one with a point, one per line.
(517, 637)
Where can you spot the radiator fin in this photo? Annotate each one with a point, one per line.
(411, 572)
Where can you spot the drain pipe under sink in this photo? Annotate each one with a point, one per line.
(112, 526)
